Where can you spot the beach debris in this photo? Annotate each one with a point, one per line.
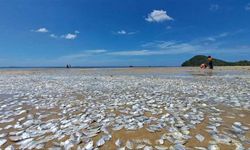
(159, 141)
(199, 137)
(118, 143)
(100, 142)
(140, 146)
(85, 109)
(10, 147)
(3, 135)
(213, 147)
(129, 145)
(200, 148)
(2, 142)
(148, 148)
(89, 145)
(161, 147)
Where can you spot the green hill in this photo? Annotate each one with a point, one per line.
(199, 59)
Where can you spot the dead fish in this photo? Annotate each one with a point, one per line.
(150, 130)
(213, 147)
(8, 127)
(107, 137)
(68, 145)
(25, 142)
(10, 147)
(200, 148)
(199, 137)
(160, 141)
(89, 145)
(16, 133)
(40, 146)
(2, 142)
(15, 138)
(100, 142)
(116, 128)
(105, 130)
(25, 135)
(237, 124)
(140, 146)
(147, 141)
(161, 147)
(90, 135)
(129, 145)
(118, 143)
(55, 148)
(239, 146)
(178, 146)
(7, 120)
(3, 135)
(122, 148)
(148, 148)
(28, 143)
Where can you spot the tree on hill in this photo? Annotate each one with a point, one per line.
(200, 59)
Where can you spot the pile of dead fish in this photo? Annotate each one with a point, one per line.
(72, 110)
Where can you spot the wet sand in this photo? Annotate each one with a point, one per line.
(228, 113)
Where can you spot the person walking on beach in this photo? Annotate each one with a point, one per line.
(210, 62)
(67, 66)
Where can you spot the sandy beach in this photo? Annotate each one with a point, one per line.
(125, 108)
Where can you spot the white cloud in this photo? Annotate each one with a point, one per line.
(69, 36)
(166, 44)
(247, 7)
(185, 48)
(42, 30)
(160, 48)
(211, 39)
(154, 48)
(96, 51)
(197, 46)
(123, 32)
(53, 36)
(158, 44)
(214, 7)
(77, 32)
(158, 16)
(219, 36)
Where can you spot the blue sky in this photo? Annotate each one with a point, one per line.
(121, 33)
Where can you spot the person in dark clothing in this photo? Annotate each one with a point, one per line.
(210, 62)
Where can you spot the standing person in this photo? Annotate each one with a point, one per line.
(210, 62)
